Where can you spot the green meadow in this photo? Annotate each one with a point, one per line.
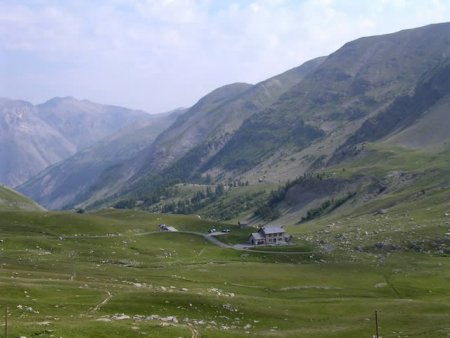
(114, 274)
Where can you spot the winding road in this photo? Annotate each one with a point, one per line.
(209, 237)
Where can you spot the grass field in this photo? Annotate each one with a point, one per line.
(113, 274)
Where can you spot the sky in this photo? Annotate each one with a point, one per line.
(157, 55)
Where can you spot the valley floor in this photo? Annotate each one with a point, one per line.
(112, 274)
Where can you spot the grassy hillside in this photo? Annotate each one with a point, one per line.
(11, 200)
(351, 87)
(180, 151)
(112, 273)
(428, 96)
(375, 89)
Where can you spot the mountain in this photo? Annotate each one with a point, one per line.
(11, 200)
(302, 134)
(214, 121)
(66, 182)
(34, 137)
(84, 122)
(356, 83)
(307, 124)
(209, 124)
(417, 120)
(27, 143)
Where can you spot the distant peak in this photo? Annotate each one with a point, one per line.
(59, 99)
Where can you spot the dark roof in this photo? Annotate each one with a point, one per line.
(273, 229)
(257, 236)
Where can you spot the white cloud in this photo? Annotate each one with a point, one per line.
(159, 54)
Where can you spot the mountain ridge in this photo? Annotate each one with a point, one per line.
(266, 135)
(33, 137)
(220, 118)
(83, 168)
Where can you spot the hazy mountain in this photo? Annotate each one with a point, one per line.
(214, 121)
(27, 143)
(83, 122)
(209, 124)
(316, 115)
(391, 89)
(34, 137)
(67, 182)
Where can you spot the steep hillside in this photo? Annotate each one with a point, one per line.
(382, 78)
(84, 122)
(198, 134)
(431, 130)
(213, 126)
(377, 89)
(353, 84)
(66, 182)
(10, 200)
(27, 143)
(411, 111)
(257, 138)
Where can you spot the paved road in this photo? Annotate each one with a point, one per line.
(209, 237)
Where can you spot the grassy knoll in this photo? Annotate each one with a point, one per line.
(112, 274)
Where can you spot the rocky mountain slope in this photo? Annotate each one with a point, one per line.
(67, 182)
(208, 124)
(34, 137)
(390, 89)
(84, 122)
(27, 143)
(356, 83)
(393, 79)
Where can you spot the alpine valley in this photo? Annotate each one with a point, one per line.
(349, 153)
(308, 129)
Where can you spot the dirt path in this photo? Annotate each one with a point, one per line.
(103, 302)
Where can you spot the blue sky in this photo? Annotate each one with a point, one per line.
(157, 55)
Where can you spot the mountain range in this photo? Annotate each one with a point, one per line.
(34, 137)
(211, 121)
(390, 90)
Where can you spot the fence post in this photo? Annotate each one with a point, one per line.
(6, 321)
(376, 324)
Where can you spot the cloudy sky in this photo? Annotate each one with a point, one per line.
(157, 55)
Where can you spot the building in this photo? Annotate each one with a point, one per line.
(164, 227)
(270, 235)
(243, 224)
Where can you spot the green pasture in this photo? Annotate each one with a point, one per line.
(114, 274)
